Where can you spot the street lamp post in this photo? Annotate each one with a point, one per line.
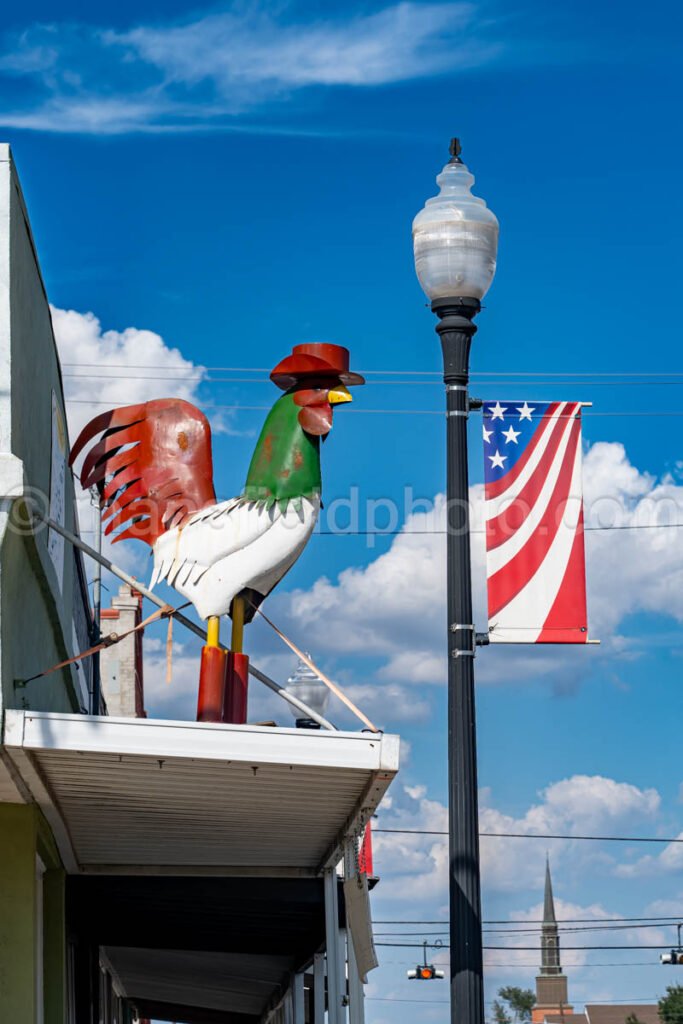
(455, 241)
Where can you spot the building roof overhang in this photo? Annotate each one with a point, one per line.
(151, 797)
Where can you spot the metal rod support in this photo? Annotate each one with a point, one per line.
(455, 329)
(96, 688)
(179, 617)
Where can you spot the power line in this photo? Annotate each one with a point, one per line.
(535, 835)
(384, 412)
(525, 949)
(184, 377)
(560, 921)
(475, 375)
(575, 965)
(538, 931)
(419, 533)
(393, 999)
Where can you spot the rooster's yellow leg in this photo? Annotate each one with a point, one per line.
(212, 630)
(237, 625)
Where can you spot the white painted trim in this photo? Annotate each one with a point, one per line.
(204, 740)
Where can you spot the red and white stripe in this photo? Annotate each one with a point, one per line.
(534, 538)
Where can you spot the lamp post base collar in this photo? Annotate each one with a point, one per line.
(456, 305)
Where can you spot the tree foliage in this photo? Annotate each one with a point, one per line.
(520, 1002)
(671, 1005)
(500, 1014)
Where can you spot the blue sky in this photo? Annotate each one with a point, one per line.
(215, 184)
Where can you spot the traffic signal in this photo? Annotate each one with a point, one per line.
(425, 972)
(674, 957)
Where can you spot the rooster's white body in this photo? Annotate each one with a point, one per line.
(232, 546)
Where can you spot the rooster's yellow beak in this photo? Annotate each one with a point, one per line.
(335, 396)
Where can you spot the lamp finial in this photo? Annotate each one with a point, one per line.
(455, 149)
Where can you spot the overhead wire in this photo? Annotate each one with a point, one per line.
(388, 412)
(559, 921)
(527, 949)
(474, 375)
(539, 931)
(536, 835)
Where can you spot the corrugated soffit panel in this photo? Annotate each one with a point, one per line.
(122, 809)
(217, 981)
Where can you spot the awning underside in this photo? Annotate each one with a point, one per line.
(150, 796)
(200, 950)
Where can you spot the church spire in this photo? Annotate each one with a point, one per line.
(551, 983)
(548, 901)
(550, 938)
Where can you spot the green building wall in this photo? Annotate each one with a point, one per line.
(24, 836)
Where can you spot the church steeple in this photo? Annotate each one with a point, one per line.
(551, 984)
(548, 901)
(550, 938)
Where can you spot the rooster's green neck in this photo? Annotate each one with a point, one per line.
(286, 462)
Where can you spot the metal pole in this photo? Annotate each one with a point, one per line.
(298, 1009)
(356, 992)
(336, 981)
(318, 989)
(179, 617)
(455, 329)
(96, 691)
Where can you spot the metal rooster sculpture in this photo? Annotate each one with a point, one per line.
(153, 467)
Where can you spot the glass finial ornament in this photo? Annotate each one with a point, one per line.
(455, 237)
(309, 688)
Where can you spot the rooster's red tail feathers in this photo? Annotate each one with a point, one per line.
(152, 466)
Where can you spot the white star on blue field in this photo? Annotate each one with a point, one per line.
(238, 179)
(507, 430)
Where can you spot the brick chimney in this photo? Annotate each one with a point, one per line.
(121, 664)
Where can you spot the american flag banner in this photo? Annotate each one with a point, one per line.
(535, 562)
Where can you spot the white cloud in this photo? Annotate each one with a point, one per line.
(417, 864)
(103, 369)
(118, 367)
(208, 70)
(670, 860)
(240, 51)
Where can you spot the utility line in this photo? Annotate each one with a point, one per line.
(560, 921)
(524, 949)
(476, 375)
(530, 963)
(342, 532)
(539, 931)
(181, 377)
(384, 412)
(534, 835)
